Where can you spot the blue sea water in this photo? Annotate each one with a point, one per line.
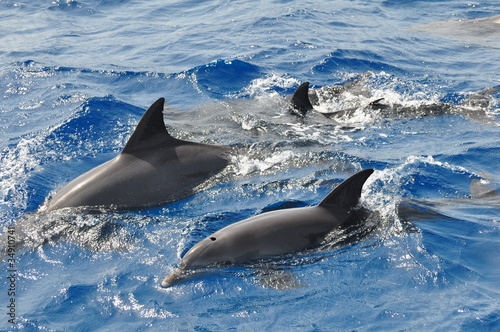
(76, 76)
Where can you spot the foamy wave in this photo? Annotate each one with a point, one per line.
(245, 165)
(431, 161)
(383, 191)
(17, 163)
(265, 86)
(128, 302)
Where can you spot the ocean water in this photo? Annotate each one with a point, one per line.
(76, 76)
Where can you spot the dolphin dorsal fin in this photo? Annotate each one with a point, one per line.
(347, 194)
(300, 100)
(150, 126)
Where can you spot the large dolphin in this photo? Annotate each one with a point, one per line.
(275, 233)
(153, 169)
(304, 100)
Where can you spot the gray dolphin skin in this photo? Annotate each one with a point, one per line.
(153, 169)
(276, 232)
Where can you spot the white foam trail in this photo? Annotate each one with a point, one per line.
(17, 163)
(262, 86)
(245, 164)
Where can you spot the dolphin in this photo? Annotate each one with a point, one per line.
(484, 31)
(413, 210)
(153, 169)
(275, 233)
(304, 99)
(479, 190)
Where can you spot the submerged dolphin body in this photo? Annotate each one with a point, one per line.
(415, 210)
(304, 100)
(481, 191)
(484, 31)
(153, 169)
(275, 233)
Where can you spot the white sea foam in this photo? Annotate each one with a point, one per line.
(263, 86)
(17, 164)
(245, 165)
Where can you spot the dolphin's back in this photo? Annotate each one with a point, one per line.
(279, 232)
(283, 231)
(153, 169)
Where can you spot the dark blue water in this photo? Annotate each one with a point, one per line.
(76, 76)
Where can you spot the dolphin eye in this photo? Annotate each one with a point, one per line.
(213, 238)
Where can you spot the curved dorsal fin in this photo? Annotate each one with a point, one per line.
(347, 194)
(150, 129)
(300, 100)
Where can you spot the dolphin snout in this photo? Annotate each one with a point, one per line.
(173, 278)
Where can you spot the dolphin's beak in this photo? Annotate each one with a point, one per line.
(173, 278)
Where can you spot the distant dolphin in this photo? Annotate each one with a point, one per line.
(413, 210)
(153, 169)
(275, 233)
(304, 99)
(484, 31)
(479, 190)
